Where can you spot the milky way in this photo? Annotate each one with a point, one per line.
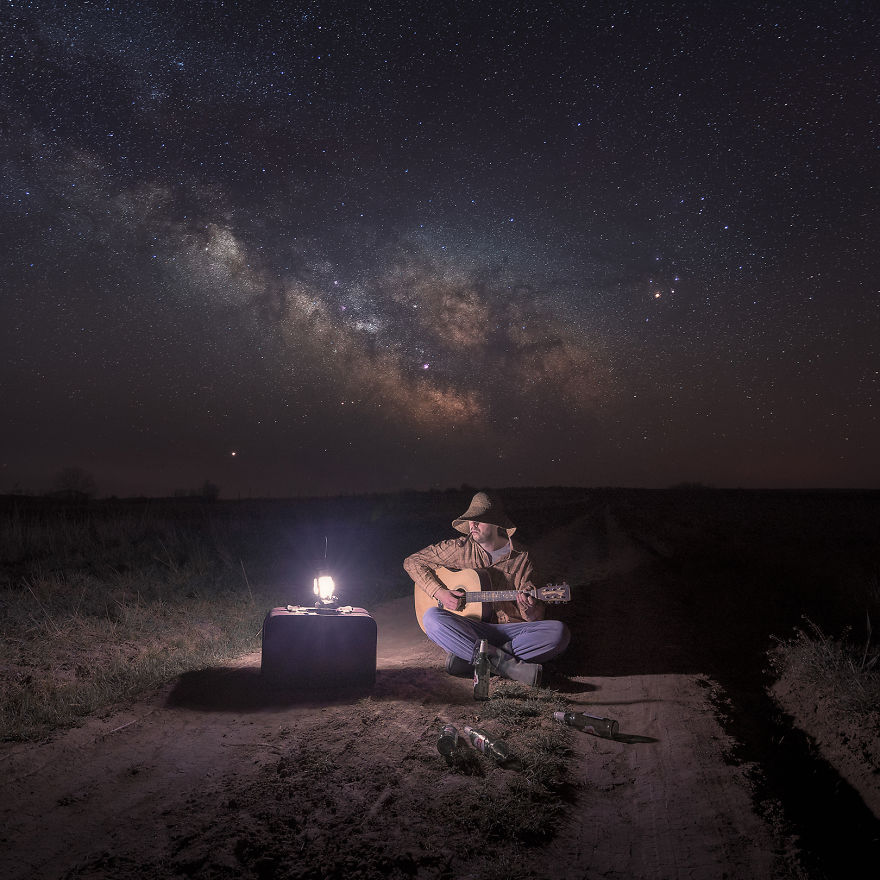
(590, 245)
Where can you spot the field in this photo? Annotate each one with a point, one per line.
(715, 625)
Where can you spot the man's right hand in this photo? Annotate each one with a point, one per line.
(449, 600)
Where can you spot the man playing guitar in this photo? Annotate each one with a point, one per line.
(520, 639)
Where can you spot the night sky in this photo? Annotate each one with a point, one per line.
(297, 249)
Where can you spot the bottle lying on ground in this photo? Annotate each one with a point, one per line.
(481, 741)
(448, 742)
(606, 727)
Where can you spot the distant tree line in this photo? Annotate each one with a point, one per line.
(208, 491)
(77, 484)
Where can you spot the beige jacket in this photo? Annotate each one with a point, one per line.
(513, 572)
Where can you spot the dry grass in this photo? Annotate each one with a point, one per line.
(831, 688)
(539, 748)
(102, 603)
(59, 663)
(842, 674)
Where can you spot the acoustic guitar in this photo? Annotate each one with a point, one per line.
(475, 585)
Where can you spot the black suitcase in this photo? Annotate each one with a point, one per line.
(309, 649)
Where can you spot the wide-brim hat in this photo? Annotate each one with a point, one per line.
(484, 508)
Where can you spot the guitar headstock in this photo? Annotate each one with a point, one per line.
(554, 593)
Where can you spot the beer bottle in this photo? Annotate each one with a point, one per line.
(448, 741)
(606, 727)
(482, 671)
(482, 742)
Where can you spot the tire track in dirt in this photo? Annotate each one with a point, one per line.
(664, 802)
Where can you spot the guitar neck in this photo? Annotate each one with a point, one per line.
(491, 596)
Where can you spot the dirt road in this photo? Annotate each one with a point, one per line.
(174, 783)
(218, 776)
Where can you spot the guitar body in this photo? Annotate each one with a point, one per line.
(476, 584)
(470, 580)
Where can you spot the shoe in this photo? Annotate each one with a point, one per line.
(458, 667)
(507, 666)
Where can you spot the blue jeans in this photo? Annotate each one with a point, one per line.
(536, 641)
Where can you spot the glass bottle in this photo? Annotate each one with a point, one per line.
(482, 742)
(448, 741)
(482, 671)
(606, 727)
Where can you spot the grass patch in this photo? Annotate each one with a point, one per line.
(60, 663)
(102, 603)
(540, 743)
(522, 800)
(841, 673)
(831, 688)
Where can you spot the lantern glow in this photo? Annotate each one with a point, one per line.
(325, 588)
